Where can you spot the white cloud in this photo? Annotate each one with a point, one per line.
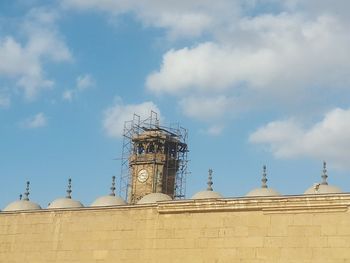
(328, 139)
(20, 64)
(210, 67)
(68, 95)
(206, 108)
(209, 109)
(281, 52)
(24, 61)
(244, 51)
(180, 18)
(285, 49)
(214, 130)
(5, 100)
(187, 69)
(115, 116)
(339, 7)
(280, 58)
(37, 121)
(84, 82)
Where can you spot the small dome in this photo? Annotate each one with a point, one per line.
(108, 200)
(153, 198)
(64, 202)
(263, 190)
(206, 194)
(323, 187)
(22, 205)
(209, 193)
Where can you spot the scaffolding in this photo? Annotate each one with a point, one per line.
(136, 127)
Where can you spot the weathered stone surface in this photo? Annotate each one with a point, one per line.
(269, 229)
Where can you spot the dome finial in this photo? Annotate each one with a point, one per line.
(264, 179)
(20, 197)
(69, 189)
(26, 193)
(210, 180)
(112, 187)
(324, 174)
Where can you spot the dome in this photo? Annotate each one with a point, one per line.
(264, 190)
(108, 200)
(209, 193)
(66, 202)
(323, 187)
(153, 198)
(22, 204)
(206, 194)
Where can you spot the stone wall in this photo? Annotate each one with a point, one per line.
(280, 229)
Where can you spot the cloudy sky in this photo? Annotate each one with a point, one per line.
(255, 82)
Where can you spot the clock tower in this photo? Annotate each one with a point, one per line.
(157, 160)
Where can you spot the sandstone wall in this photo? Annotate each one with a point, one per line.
(282, 229)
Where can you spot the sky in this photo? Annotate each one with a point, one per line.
(255, 82)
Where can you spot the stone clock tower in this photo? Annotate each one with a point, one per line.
(154, 163)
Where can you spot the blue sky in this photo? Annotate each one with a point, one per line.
(255, 82)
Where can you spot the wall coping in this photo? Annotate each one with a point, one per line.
(321, 203)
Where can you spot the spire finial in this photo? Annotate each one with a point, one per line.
(210, 180)
(324, 174)
(69, 189)
(264, 179)
(112, 187)
(26, 193)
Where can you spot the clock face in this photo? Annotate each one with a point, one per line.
(142, 176)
